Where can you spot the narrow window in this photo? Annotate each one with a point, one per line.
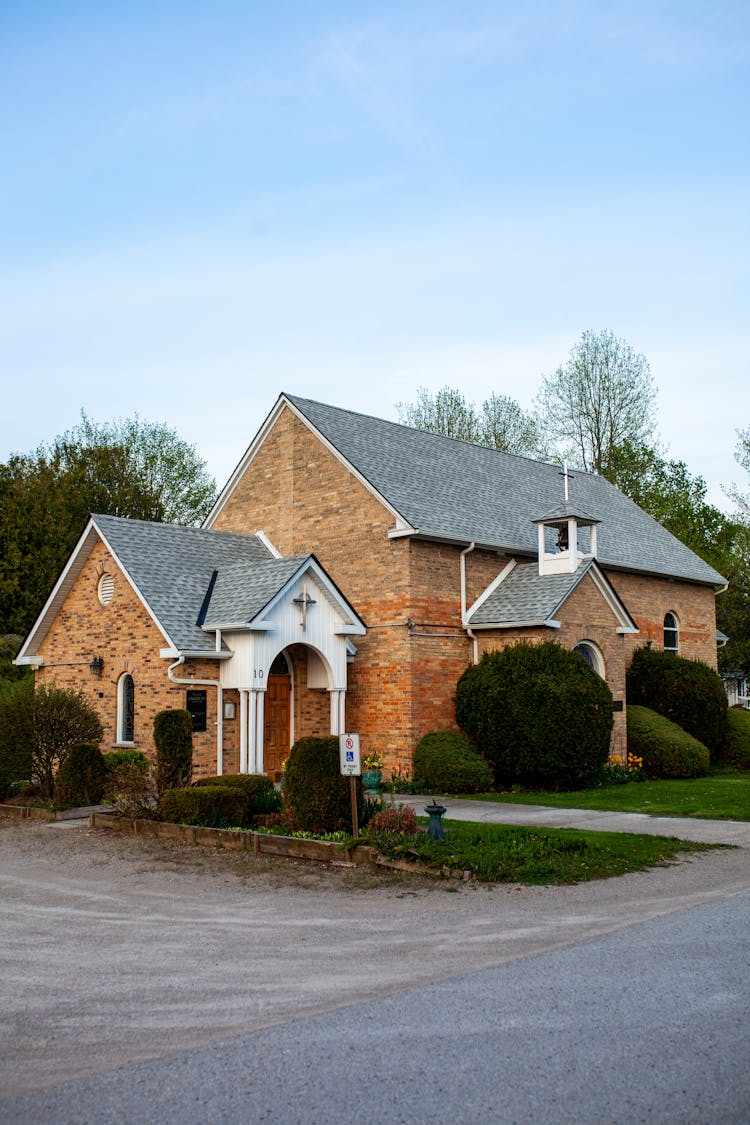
(125, 708)
(671, 633)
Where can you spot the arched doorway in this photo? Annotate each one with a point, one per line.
(277, 716)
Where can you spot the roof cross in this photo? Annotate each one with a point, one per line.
(565, 472)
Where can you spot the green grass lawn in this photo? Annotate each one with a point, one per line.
(498, 853)
(720, 796)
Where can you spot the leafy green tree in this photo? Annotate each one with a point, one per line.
(130, 468)
(500, 423)
(599, 401)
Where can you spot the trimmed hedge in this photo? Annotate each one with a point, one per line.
(316, 797)
(173, 736)
(82, 777)
(215, 806)
(258, 790)
(666, 749)
(448, 763)
(686, 691)
(538, 713)
(737, 752)
(130, 759)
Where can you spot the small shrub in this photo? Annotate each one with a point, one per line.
(538, 713)
(393, 822)
(131, 786)
(316, 797)
(686, 691)
(258, 790)
(666, 749)
(737, 751)
(82, 778)
(448, 763)
(135, 758)
(173, 737)
(215, 806)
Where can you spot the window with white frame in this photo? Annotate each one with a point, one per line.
(591, 654)
(671, 633)
(125, 708)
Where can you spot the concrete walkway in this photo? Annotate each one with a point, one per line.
(736, 832)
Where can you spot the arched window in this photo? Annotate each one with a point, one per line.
(590, 653)
(671, 633)
(125, 708)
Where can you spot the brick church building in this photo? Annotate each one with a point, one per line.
(349, 571)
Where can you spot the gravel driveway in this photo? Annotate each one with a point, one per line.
(118, 949)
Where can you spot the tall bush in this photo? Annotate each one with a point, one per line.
(316, 797)
(173, 738)
(62, 717)
(538, 713)
(82, 777)
(16, 732)
(686, 691)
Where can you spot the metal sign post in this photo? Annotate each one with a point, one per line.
(351, 767)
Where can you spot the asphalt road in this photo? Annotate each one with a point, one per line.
(144, 981)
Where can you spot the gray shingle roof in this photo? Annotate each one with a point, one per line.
(524, 596)
(173, 566)
(452, 490)
(243, 589)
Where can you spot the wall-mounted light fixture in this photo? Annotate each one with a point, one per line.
(96, 666)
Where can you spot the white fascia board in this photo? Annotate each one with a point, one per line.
(613, 600)
(134, 588)
(29, 662)
(258, 441)
(489, 591)
(194, 654)
(268, 544)
(401, 531)
(60, 591)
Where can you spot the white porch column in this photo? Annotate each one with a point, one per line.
(338, 710)
(259, 714)
(243, 730)
(253, 733)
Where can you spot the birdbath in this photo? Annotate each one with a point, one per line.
(435, 813)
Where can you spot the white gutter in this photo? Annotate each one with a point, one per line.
(219, 705)
(464, 622)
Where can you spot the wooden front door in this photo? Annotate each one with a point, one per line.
(276, 723)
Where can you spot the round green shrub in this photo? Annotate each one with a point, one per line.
(448, 763)
(316, 796)
(686, 691)
(666, 749)
(132, 759)
(173, 737)
(82, 777)
(538, 713)
(737, 751)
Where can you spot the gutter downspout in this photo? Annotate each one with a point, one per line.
(219, 704)
(469, 633)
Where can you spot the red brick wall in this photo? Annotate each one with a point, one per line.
(649, 599)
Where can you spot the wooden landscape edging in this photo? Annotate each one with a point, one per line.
(259, 843)
(31, 812)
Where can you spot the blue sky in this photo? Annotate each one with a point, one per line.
(206, 204)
